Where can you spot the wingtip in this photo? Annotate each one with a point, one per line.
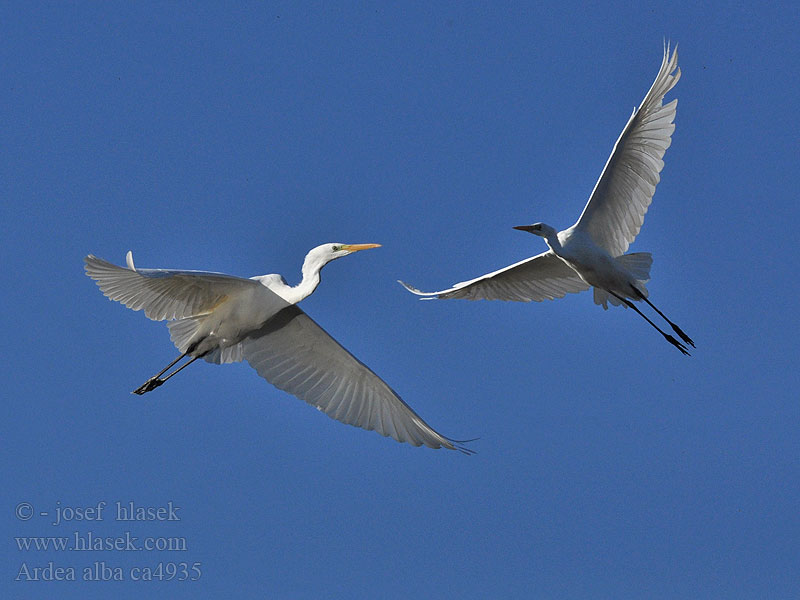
(92, 263)
(408, 287)
(459, 445)
(412, 289)
(87, 261)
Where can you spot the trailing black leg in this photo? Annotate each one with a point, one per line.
(156, 380)
(667, 336)
(675, 328)
(179, 369)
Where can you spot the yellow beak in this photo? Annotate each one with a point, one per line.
(357, 247)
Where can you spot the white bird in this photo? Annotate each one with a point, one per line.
(222, 319)
(592, 251)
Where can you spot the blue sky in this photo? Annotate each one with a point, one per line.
(234, 139)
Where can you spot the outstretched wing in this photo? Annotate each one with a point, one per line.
(542, 277)
(165, 294)
(615, 211)
(296, 355)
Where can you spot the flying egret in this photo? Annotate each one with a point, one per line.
(592, 251)
(223, 319)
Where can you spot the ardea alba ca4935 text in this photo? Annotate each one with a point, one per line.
(592, 251)
(222, 319)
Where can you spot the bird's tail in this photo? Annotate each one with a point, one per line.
(638, 265)
(185, 334)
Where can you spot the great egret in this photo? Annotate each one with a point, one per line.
(222, 319)
(591, 252)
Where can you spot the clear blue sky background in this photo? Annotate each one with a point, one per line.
(235, 138)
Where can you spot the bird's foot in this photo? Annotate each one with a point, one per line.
(148, 385)
(684, 337)
(677, 344)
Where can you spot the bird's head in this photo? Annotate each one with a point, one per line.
(327, 252)
(340, 250)
(540, 229)
(315, 260)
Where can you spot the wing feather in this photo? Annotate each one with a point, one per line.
(164, 294)
(297, 356)
(542, 277)
(615, 212)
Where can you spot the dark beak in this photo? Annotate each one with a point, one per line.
(528, 228)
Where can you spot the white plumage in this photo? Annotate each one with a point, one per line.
(592, 251)
(222, 318)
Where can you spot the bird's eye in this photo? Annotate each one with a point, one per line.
(336, 248)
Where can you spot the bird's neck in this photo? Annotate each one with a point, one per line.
(311, 278)
(552, 241)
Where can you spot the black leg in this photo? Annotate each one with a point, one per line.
(667, 336)
(156, 380)
(675, 328)
(179, 369)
